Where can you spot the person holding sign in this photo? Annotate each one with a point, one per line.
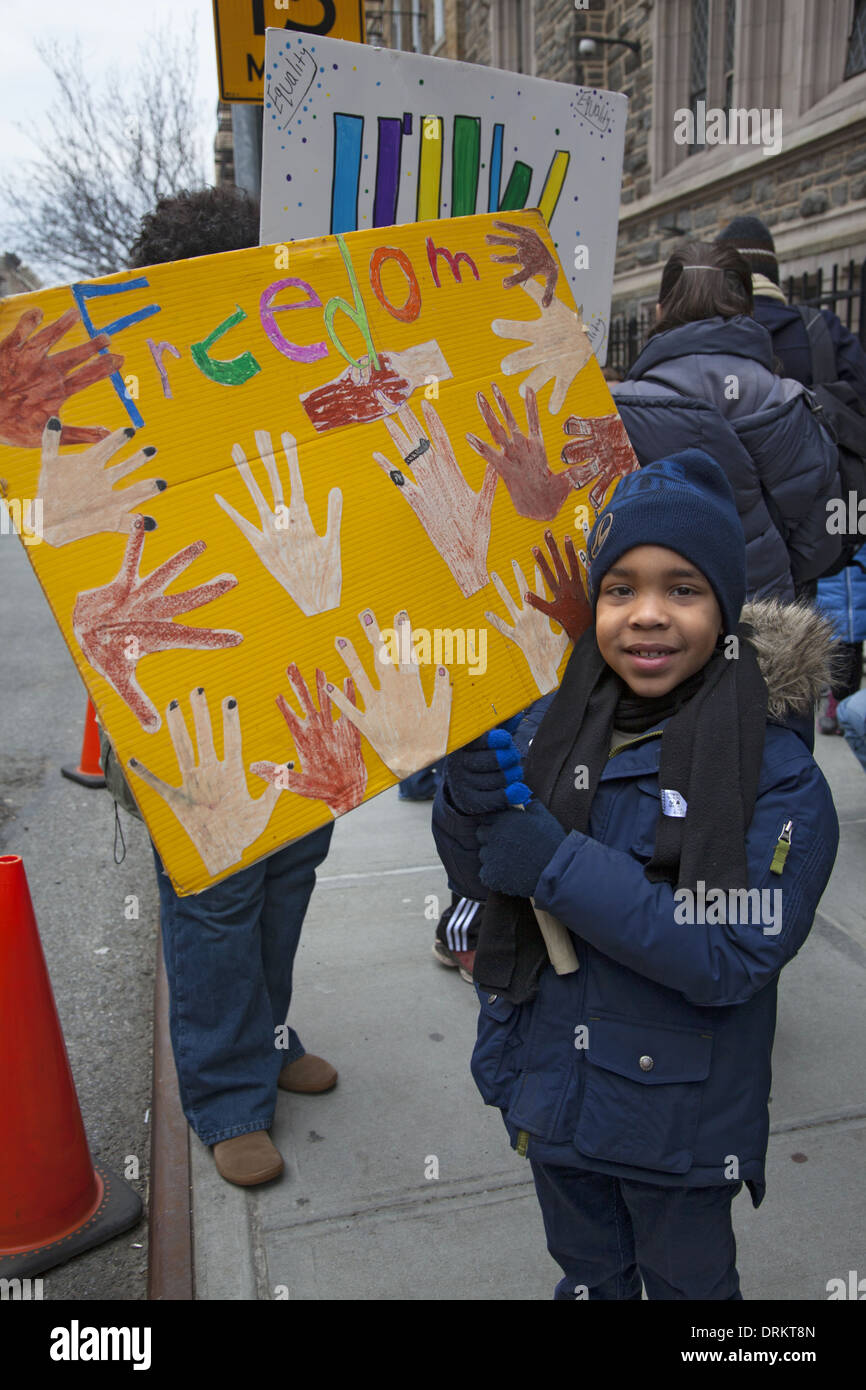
(229, 950)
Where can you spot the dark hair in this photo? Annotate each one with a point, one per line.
(703, 281)
(201, 223)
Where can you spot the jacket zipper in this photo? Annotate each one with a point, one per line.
(655, 733)
(783, 845)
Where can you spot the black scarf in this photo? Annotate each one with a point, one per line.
(711, 752)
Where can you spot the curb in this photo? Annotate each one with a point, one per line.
(169, 1266)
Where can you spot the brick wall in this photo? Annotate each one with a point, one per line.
(796, 189)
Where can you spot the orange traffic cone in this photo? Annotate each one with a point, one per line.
(53, 1202)
(88, 773)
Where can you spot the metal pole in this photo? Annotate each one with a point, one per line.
(247, 138)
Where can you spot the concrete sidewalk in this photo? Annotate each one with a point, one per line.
(358, 1213)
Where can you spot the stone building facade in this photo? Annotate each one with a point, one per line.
(802, 63)
(799, 162)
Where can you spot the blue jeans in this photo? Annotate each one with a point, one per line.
(229, 953)
(607, 1234)
(851, 714)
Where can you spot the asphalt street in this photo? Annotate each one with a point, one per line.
(100, 957)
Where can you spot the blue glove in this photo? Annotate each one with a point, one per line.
(486, 776)
(516, 849)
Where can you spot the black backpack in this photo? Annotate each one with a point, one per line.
(837, 404)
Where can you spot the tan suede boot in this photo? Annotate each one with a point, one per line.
(308, 1074)
(248, 1159)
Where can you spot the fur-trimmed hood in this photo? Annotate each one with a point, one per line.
(795, 648)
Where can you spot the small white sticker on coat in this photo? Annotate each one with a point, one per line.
(673, 804)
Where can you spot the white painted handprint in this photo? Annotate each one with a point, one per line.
(405, 731)
(77, 490)
(306, 564)
(212, 802)
(456, 519)
(531, 630)
(558, 349)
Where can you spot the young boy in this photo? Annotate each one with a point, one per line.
(670, 773)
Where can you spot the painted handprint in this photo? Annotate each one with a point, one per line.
(131, 617)
(404, 730)
(366, 392)
(34, 386)
(77, 490)
(530, 631)
(329, 749)
(521, 459)
(558, 349)
(306, 564)
(212, 802)
(456, 519)
(569, 605)
(599, 453)
(530, 253)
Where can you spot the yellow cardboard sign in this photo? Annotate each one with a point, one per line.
(239, 30)
(283, 504)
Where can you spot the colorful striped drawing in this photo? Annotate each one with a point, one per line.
(465, 171)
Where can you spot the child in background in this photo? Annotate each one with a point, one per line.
(843, 598)
(851, 714)
(670, 772)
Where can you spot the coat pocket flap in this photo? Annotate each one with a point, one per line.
(494, 1006)
(647, 1052)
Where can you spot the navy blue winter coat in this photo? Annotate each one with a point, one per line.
(781, 463)
(787, 330)
(652, 1060)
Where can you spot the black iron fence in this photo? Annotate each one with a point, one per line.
(840, 290)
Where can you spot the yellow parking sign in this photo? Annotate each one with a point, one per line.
(240, 25)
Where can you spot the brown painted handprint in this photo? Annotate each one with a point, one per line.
(456, 519)
(77, 490)
(530, 253)
(212, 802)
(329, 749)
(131, 617)
(599, 453)
(521, 459)
(569, 605)
(34, 386)
(405, 731)
(365, 393)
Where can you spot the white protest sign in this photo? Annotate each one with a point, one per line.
(358, 137)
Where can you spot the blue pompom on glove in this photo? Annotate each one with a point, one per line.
(517, 847)
(486, 776)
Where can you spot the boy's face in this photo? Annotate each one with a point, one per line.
(657, 619)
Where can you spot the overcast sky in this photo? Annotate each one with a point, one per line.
(109, 31)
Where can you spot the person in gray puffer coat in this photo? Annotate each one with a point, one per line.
(706, 379)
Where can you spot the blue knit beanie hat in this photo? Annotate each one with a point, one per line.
(684, 503)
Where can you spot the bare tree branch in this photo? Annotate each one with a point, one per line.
(106, 155)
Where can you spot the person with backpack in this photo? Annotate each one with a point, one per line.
(788, 324)
(671, 770)
(816, 349)
(706, 380)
